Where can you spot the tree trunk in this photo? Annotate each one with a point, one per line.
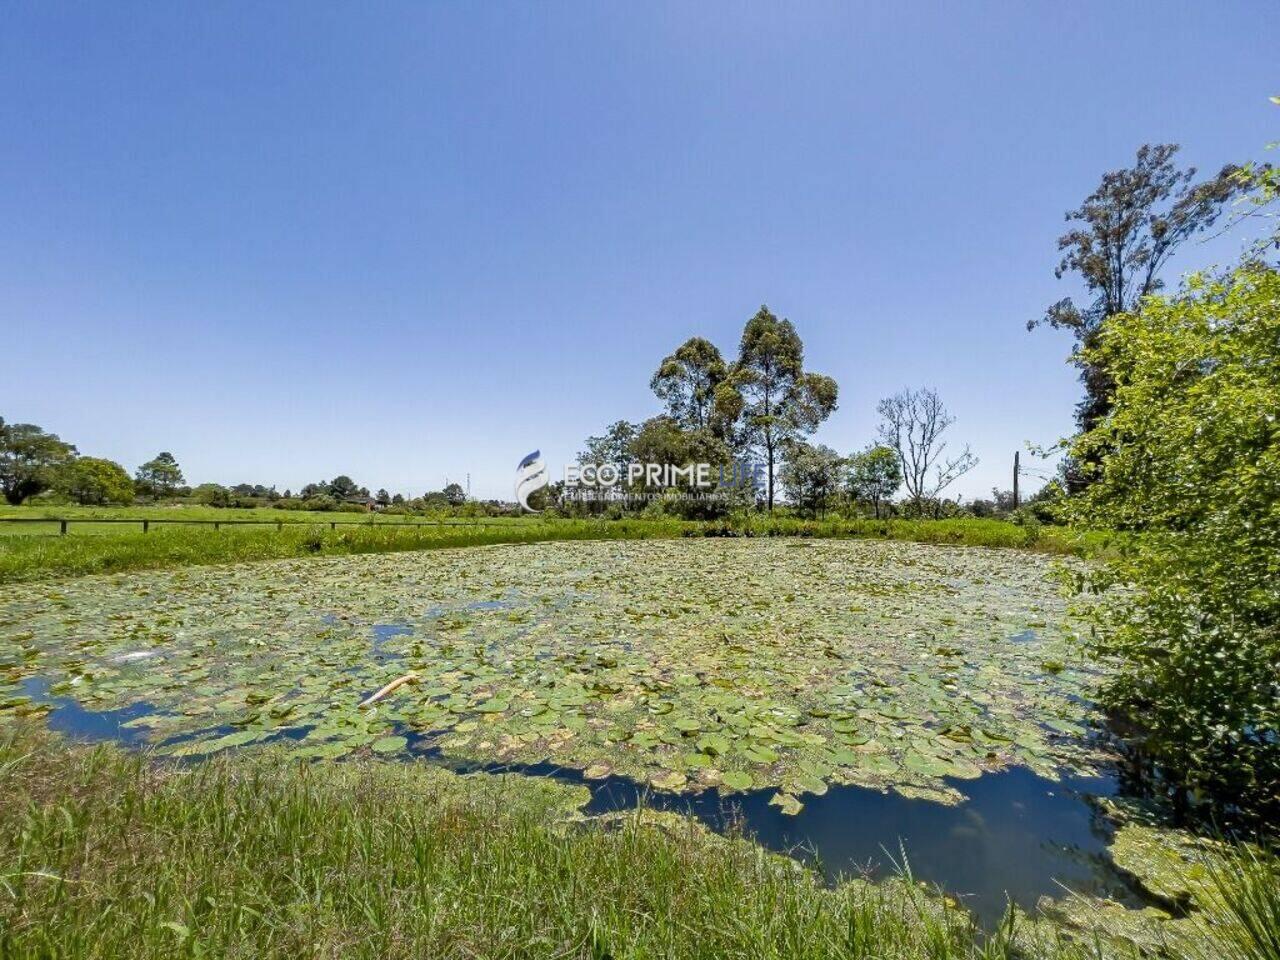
(769, 451)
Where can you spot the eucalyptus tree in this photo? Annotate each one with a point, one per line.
(686, 381)
(1124, 234)
(781, 403)
(912, 424)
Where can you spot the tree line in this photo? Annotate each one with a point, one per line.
(762, 407)
(37, 466)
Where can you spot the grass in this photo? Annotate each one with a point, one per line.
(24, 558)
(1247, 906)
(105, 855)
(196, 513)
(34, 558)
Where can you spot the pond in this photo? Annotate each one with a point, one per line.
(852, 698)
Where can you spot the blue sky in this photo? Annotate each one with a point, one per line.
(412, 241)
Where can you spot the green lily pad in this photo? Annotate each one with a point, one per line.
(787, 803)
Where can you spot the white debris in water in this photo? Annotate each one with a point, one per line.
(135, 655)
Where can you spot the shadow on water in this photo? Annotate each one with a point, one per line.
(1018, 836)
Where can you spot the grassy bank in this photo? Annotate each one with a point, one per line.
(32, 558)
(24, 558)
(105, 855)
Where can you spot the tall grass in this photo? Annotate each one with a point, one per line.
(38, 557)
(105, 855)
(1245, 913)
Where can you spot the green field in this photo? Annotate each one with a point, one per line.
(43, 520)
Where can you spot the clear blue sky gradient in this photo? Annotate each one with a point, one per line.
(411, 241)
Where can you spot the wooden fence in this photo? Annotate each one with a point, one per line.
(146, 522)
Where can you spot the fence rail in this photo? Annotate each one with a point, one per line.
(146, 522)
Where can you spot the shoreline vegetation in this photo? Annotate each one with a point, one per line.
(114, 548)
(109, 853)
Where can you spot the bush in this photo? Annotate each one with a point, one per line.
(1190, 457)
(212, 495)
(93, 481)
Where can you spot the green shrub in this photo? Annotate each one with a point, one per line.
(1191, 457)
(93, 481)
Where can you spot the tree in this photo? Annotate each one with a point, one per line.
(812, 475)
(29, 460)
(397, 500)
(661, 440)
(912, 425)
(454, 494)
(875, 474)
(93, 481)
(612, 447)
(781, 403)
(1190, 456)
(1128, 229)
(1262, 180)
(212, 494)
(161, 476)
(343, 487)
(689, 382)
(383, 498)
(1000, 504)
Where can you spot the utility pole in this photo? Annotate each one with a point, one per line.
(1015, 478)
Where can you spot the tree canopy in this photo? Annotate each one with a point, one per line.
(874, 475)
(94, 481)
(1124, 234)
(688, 381)
(161, 475)
(781, 402)
(1190, 456)
(811, 475)
(29, 460)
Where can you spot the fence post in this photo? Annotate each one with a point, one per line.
(279, 525)
(333, 525)
(1016, 471)
(217, 525)
(146, 526)
(63, 525)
